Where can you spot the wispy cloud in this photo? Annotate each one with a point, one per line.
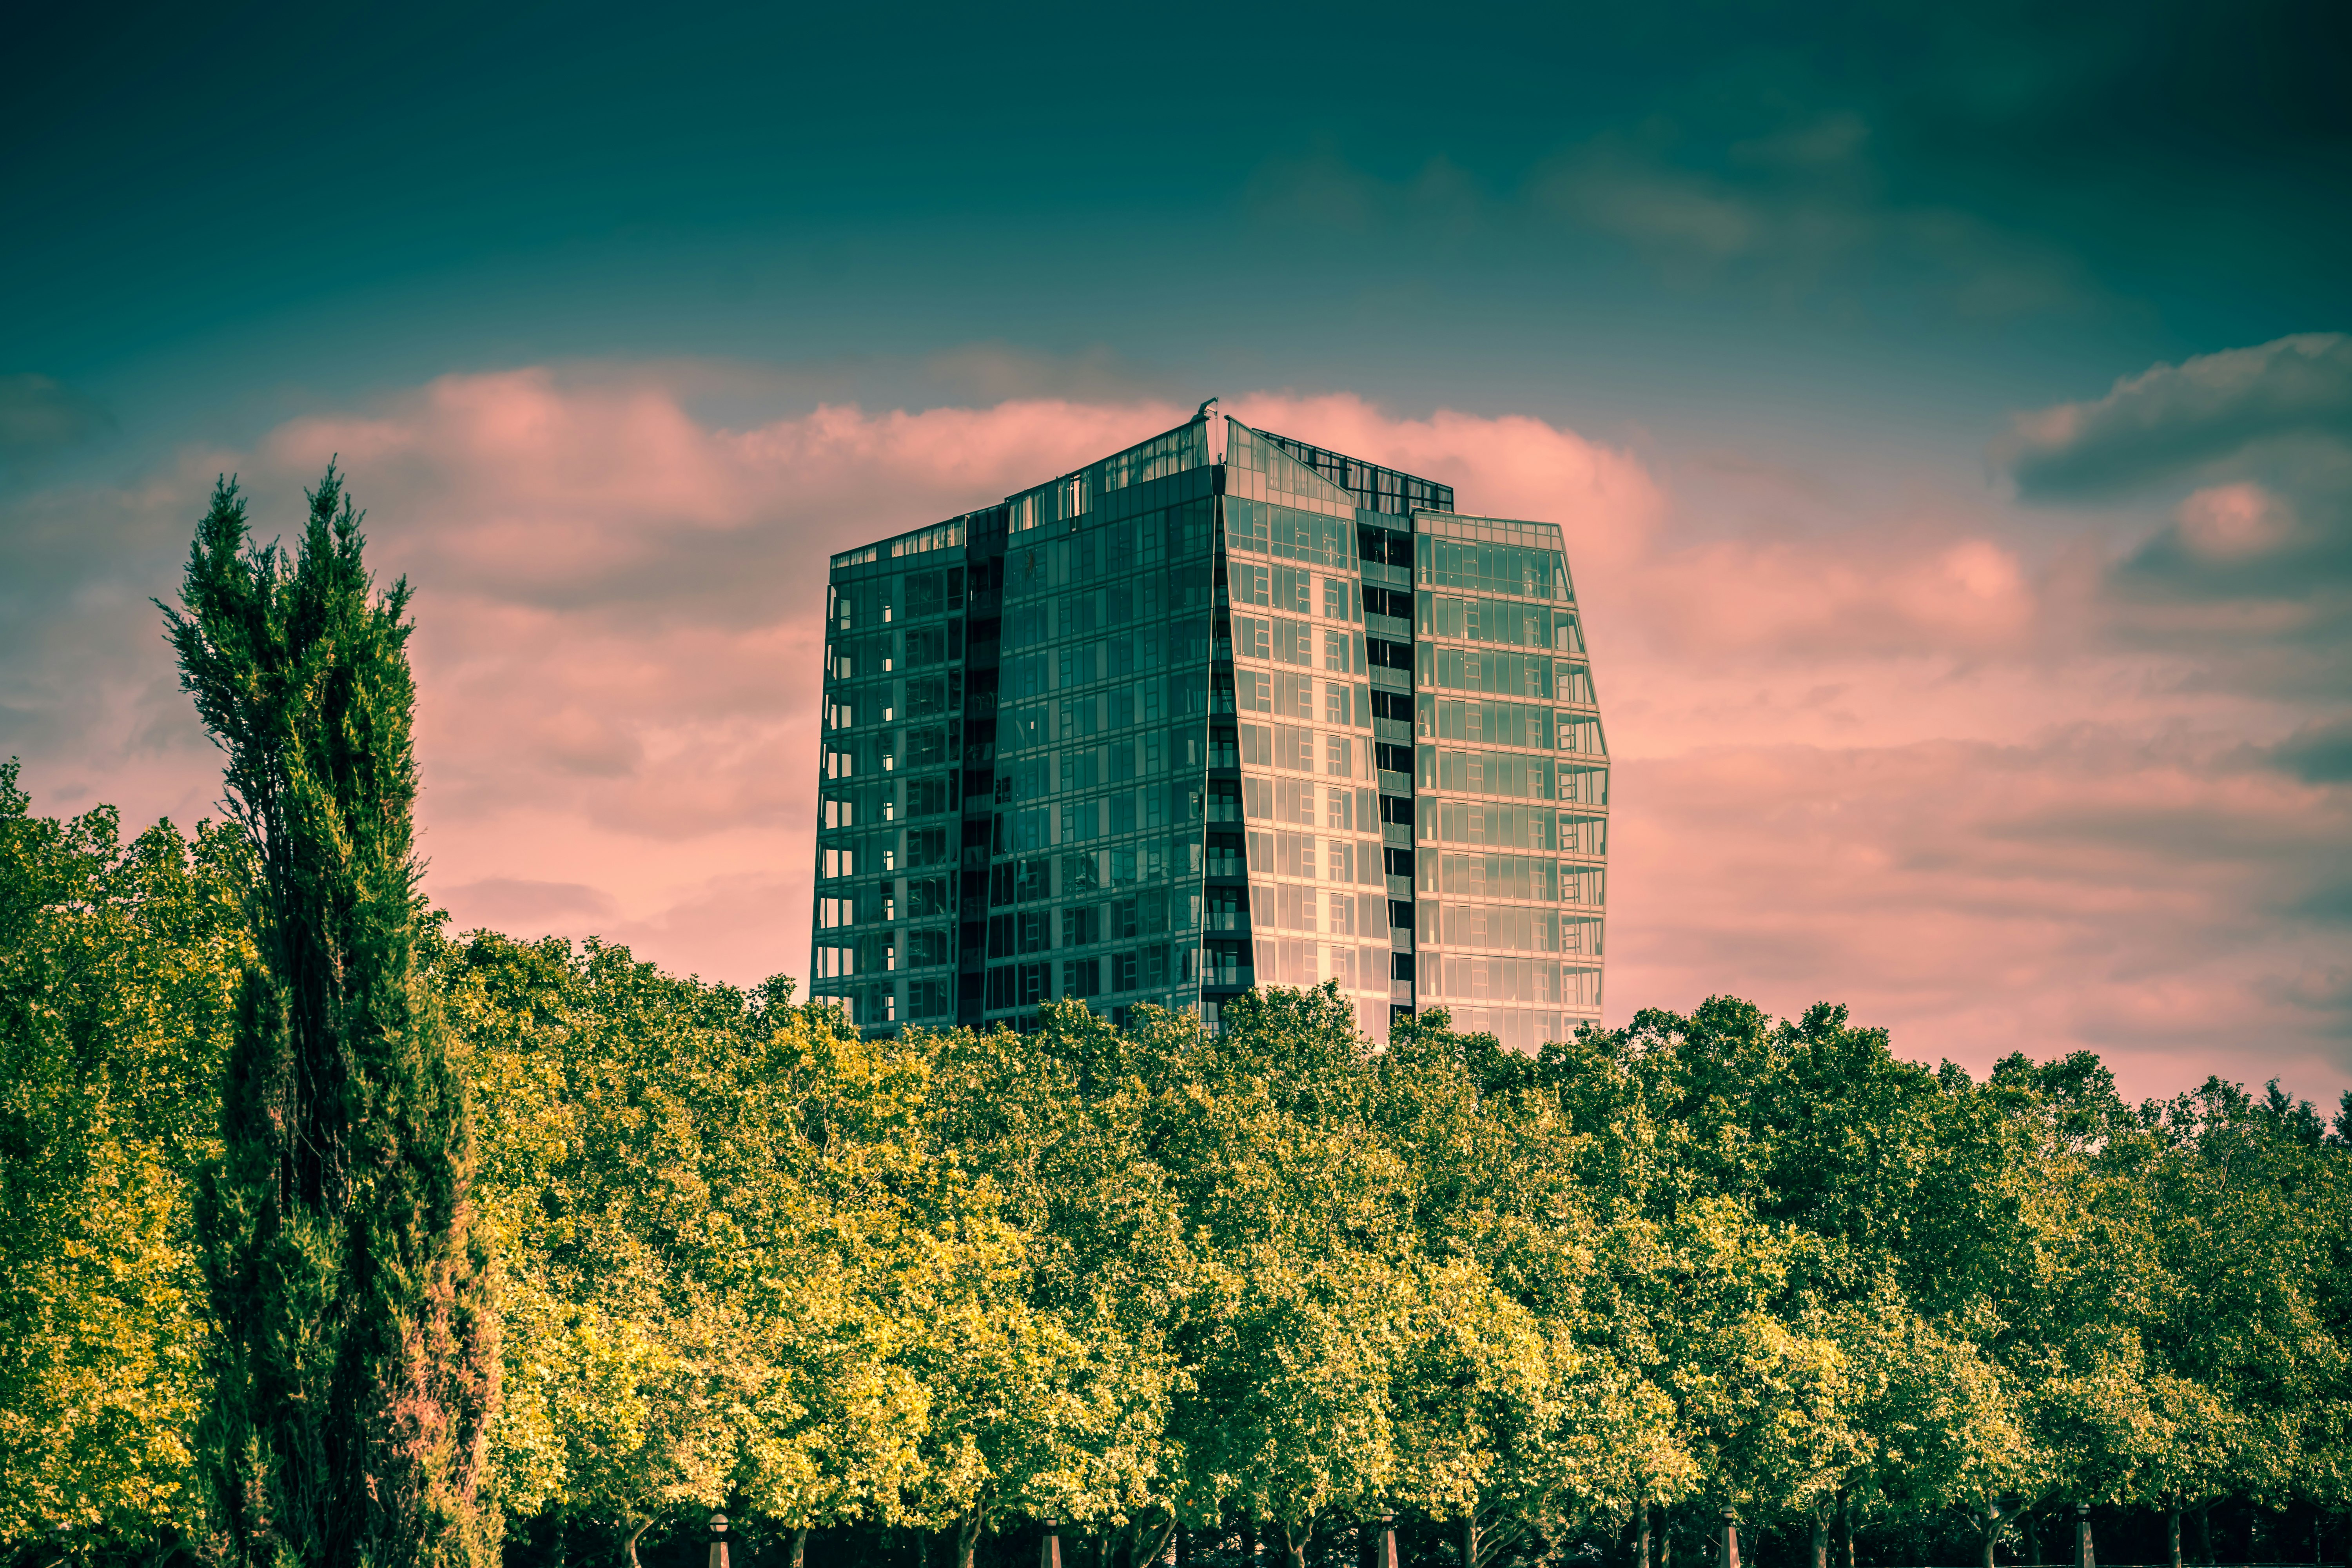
(2249, 452)
(40, 414)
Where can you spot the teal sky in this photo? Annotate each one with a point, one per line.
(1948, 409)
(1622, 212)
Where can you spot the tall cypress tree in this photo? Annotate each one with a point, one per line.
(357, 1354)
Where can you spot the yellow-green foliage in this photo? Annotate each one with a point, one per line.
(119, 968)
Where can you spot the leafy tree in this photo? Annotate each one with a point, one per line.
(355, 1371)
(1301, 1303)
(118, 977)
(1057, 1399)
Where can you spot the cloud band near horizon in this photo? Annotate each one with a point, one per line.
(2036, 775)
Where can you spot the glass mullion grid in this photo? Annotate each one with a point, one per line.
(1447, 960)
(883, 936)
(1030, 780)
(1276, 891)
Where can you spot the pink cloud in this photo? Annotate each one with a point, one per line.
(1864, 754)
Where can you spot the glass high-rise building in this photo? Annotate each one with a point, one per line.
(1222, 709)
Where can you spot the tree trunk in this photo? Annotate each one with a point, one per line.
(1290, 1540)
(632, 1539)
(1470, 1538)
(1249, 1543)
(1992, 1530)
(1666, 1537)
(2172, 1530)
(967, 1540)
(1159, 1539)
(1845, 1529)
(2084, 1556)
(1642, 1536)
(798, 1556)
(1730, 1540)
(1821, 1540)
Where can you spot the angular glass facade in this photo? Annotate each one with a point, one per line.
(1222, 710)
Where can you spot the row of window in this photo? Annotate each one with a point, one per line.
(1506, 928)
(1443, 978)
(1285, 906)
(1375, 489)
(1277, 639)
(1301, 803)
(1142, 608)
(1294, 749)
(896, 751)
(1291, 960)
(1148, 968)
(1117, 547)
(910, 700)
(1317, 859)
(1511, 876)
(1499, 674)
(1501, 826)
(910, 849)
(890, 801)
(1288, 696)
(1499, 621)
(1491, 568)
(882, 953)
(912, 898)
(1151, 911)
(1178, 693)
(1148, 649)
(1070, 768)
(1286, 533)
(1043, 877)
(1103, 817)
(892, 597)
(1509, 773)
(1292, 589)
(1494, 723)
(854, 658)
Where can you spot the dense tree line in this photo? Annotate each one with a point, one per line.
(329, 1239)
(1272, 1280)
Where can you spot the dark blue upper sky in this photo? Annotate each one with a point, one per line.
(1600, 212)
